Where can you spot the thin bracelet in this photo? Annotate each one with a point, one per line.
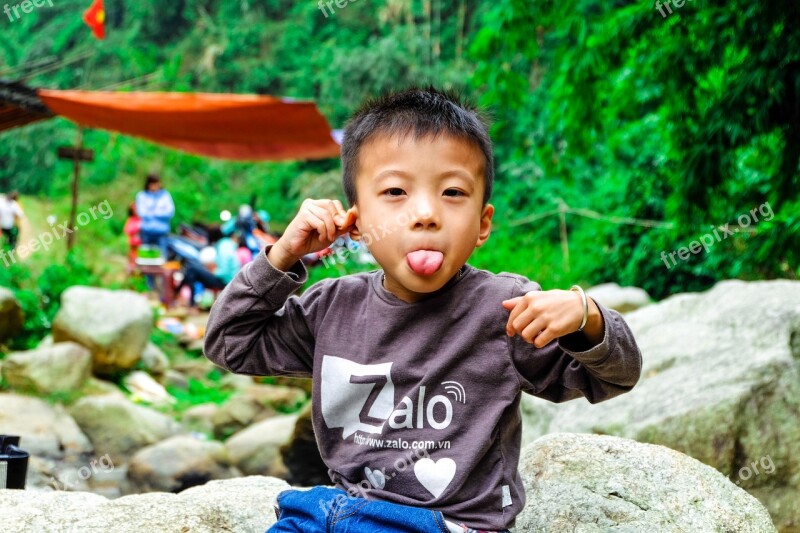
(585, 305)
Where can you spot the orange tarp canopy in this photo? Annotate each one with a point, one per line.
(240, 127)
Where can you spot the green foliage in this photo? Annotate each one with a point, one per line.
(198, 392)
(40, 298)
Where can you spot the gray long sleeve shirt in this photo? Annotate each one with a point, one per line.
(414, 403)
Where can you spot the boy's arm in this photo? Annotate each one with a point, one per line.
(257, 328)
(572, 366)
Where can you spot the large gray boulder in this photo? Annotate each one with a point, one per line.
(721, 383)
(622, 299)
(178, 463)
(60, 368)
(257, 449)
(118, 427)
(154, 360)
(608, 484)
(241, 505)
(114, 325)
(254, 404)
(45, 430)
(11, 316)
(574, 483)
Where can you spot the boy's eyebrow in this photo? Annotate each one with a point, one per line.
(393, 172)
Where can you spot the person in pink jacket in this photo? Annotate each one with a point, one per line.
(132, 228)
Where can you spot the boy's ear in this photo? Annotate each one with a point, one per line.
(355, 234)
(486, 225)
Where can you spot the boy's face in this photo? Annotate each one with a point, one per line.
(419, 209)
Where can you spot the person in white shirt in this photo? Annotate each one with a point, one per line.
(10, 214)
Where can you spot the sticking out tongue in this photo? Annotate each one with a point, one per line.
(425, 262)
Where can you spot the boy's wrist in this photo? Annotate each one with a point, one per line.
(594, 330)
(280, 259)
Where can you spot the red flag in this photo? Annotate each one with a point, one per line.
(95, 18)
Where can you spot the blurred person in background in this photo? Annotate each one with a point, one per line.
(133, 226)
(155, 207)
(10, 216)
(217, 266)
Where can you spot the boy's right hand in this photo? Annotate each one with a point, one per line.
(317, 224)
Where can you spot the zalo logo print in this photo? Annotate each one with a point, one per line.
(358, 397)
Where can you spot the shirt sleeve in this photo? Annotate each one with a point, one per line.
(258, 327)
(569, 367)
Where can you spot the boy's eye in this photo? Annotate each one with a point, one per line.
(394, 191)
(454, 192)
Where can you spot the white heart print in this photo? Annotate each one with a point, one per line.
(375, 477)
(435, 476)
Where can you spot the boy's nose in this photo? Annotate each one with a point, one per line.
(424, 215)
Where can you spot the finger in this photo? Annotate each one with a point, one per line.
(321, 220)
(518, 309)
(544, 338)
(350, 219)
(533, 329)
(330, 207)
(324, 213)
(510, 304)
(340, 210)
(526, 317)
(348, 222)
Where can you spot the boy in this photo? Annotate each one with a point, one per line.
(417, 367)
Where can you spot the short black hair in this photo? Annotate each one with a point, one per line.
(151, 179)
(420, 112)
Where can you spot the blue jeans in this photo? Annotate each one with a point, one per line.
(154, 239)
(325, 509)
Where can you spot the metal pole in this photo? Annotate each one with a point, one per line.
(76, 165)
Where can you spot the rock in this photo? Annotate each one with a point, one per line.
(200, 418)
(11, 315)
(256, 450)
(241, 505)
(253, 404)
(143, 387)
(154, 361)
(178, 463)
(118, 427)
(622, 299)
(63, 367)
(600, 483)
(45, 342)
(100, 387)
(719, 383)
(44, 430)
(114, 325)
(278, 396)
(581, 483)
(301, 455)
(175, 379)
(194, 368)
(235, 382)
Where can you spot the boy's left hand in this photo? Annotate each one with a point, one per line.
(541, 316)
